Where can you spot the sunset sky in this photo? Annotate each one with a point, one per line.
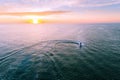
(59, 11)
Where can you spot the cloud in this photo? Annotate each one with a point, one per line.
(98, 3)
(72, 3)
(47, 5)
(33, 13)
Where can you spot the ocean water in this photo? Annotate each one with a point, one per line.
(49, 52)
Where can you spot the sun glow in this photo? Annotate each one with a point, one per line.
(35, 21)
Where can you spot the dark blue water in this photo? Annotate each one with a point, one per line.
(41, 52)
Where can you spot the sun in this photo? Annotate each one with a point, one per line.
(35, 21)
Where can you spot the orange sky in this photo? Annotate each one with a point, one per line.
(59, 17)
(59, 11)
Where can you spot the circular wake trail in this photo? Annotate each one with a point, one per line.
(80, 44)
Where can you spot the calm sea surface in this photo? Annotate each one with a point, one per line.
(41, 52)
